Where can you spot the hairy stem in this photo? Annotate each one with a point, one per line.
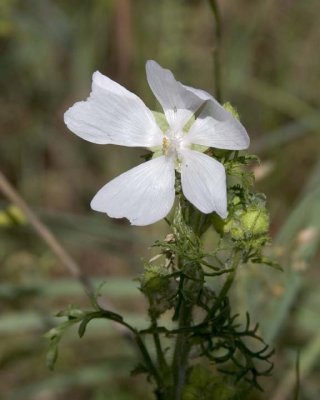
(181, 352)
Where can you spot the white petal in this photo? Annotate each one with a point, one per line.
(216, 127)
(145, 194)
(218, 112)
(202, 94)
(204, 182)
(113, 115)
(178, 103)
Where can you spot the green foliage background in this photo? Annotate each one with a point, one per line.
(270, 72)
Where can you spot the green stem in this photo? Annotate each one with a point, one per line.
(228, 283)
(160, 355)
(217, 48)
(181, 353)
(147, 359)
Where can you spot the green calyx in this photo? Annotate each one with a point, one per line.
(253, 222)
(154, 279)
(156, 284)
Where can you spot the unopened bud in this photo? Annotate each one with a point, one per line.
(255, 221)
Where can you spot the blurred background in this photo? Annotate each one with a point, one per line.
(270, 72)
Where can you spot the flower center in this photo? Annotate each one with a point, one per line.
(172, 144)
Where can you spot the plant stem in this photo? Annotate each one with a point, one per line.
(217, 49)
(227, 285)
(147, 359)
(160, 355)
(42, 230)
(181, 352)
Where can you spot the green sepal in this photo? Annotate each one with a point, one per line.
(199, 147)
(188, 125)
(161, 120)
(229, 107)
(157, 152)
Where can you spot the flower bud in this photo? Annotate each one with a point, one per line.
(250, 223)
(159, 288)
(255, 221)
(154, 279)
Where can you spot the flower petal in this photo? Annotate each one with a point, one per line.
(217, 110)
(145, 194)
(113, 115)
(204, 182)
(216, 127)
(178, 103)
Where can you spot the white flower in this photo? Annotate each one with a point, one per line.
(145, 194)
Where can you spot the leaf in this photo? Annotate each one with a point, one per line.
(72, 312)
(84, 323)
(139, 369)
(98, 314)
(52, 354)
(267, 261)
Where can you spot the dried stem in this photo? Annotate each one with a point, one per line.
(217, 49)
(52, 242)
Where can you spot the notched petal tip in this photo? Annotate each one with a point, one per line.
(223, 214)
(143, 195)
(113, 115)
(66, 116)
(204, 183)
(70, 116)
